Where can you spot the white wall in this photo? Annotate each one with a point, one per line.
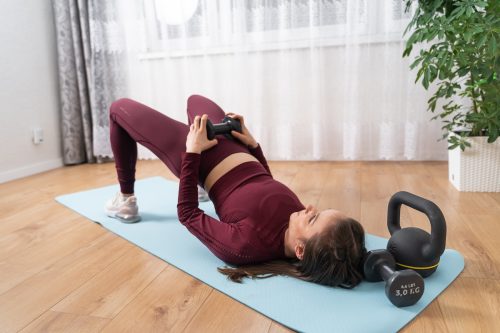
(28, 89)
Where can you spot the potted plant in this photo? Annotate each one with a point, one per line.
(458, 49)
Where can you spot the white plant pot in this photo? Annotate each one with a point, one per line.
(477, 169)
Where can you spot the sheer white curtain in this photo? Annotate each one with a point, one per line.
(315, 79)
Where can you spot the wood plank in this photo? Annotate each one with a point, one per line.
(16, 213)
(412, 168)
(58, 322)
(437, 169)
(107, 293)
(278, 328)
(487, 228)
(467, 202)
(308, 183)
(283, 171)
(342, 190)
(471, 305)
(16, 201)
(496, 198)
(220, 313)
(38, 227)
(430, 320)
(378, 184)
(35, 295)
(12, 274)
(78, 233)
(480, 260)
(166, 305)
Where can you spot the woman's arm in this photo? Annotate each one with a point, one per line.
(246, 137)
(258, 154)
(224, 239)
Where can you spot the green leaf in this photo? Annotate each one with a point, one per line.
(442, 74)
(462, 71)
(432, 104)
(493, 138)
(457, 12)
(419, 74)
(477, 29)
(492, 45)
(481, 4)
(416, 62)
(467, 36)
(407, 51)
(425, 81)
(469, 11)
(433, 73)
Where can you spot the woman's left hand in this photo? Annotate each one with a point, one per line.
(197, 140)
(245, 135)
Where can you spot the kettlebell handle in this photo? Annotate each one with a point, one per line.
(429, 208)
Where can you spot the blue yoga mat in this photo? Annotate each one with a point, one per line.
(299, 305)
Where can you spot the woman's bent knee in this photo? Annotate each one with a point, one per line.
(195, 99)
(118, 105)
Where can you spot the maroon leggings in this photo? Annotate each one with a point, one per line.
(132, 122)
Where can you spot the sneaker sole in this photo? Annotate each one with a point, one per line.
(124, 219)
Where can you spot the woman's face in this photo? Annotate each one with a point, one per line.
(308, 222)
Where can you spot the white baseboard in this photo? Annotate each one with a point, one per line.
(29, 170)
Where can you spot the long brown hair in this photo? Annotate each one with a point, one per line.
(332, 257)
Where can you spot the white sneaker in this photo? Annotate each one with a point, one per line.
(202, 194)
(123, 208)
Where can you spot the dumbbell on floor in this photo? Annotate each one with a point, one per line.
(403, 288)
(228, 124)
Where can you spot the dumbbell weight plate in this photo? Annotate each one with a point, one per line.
(404, 288)
(374, 259)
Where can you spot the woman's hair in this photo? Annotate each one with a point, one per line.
(332, 257)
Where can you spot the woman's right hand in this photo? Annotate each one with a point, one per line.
(197, 140)
(245, 137)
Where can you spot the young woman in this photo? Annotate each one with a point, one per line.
(265, 230)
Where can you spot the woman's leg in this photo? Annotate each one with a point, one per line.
(198, 105)
(131, 123)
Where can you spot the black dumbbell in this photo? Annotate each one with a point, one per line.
(403, 288)
(228, 124)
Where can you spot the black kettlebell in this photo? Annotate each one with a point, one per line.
(228, 124)
(412, 247)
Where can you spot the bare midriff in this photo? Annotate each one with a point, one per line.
(224, 166)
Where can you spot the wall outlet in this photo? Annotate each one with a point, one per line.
(37, 135)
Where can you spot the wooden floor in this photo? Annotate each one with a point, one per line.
(61, 273)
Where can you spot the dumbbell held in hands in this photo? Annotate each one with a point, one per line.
(228, 124)
(403, 288)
